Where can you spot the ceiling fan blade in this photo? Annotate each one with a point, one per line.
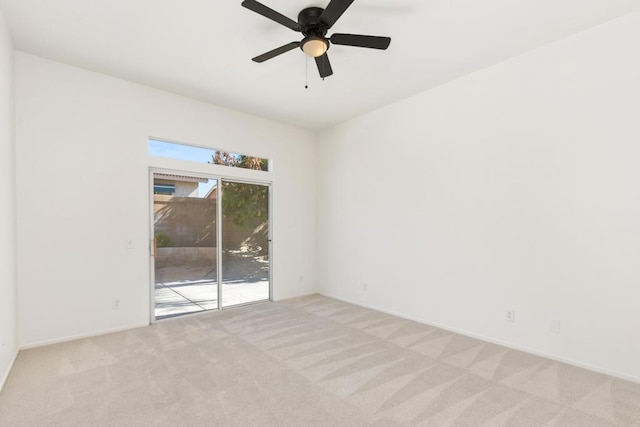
(324, 66)
(373, 42)
(271, 14)
(334, 11)
(275, 52)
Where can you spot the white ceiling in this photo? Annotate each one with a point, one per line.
(203, 48)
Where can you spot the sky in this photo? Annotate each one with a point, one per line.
(180, 152)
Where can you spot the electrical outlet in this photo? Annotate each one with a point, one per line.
(128, 243)
(115, 304)
(510, 316)
(554, 326)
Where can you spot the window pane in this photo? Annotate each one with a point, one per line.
(245, 243)
(206, 155)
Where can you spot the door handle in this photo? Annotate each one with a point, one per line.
(153, 248)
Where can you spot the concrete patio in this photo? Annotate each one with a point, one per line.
(182, 290)
(179, 298)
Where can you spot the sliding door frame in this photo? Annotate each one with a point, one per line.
(220, 179)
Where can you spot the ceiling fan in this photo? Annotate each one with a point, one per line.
(313, 23)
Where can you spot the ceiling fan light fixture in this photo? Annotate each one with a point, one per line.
(315, 46)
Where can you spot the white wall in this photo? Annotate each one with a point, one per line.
(77, 126)
(516, 187)
(8, 312)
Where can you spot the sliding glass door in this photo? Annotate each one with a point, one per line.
(185, 244)
(202, 226)
(245, 243)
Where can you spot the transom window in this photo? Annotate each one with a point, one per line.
(192, 153)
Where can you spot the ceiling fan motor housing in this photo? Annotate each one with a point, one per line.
(309, 20)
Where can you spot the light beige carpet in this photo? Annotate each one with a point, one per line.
(310, 361)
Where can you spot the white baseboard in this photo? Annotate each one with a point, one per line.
(134, 326)
(307, 294)
(5, 377)
(81, 336)
(616, 374)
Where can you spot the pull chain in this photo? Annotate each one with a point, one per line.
(306, 72)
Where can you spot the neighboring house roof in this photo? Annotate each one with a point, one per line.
(213, 193)
(181, 178)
